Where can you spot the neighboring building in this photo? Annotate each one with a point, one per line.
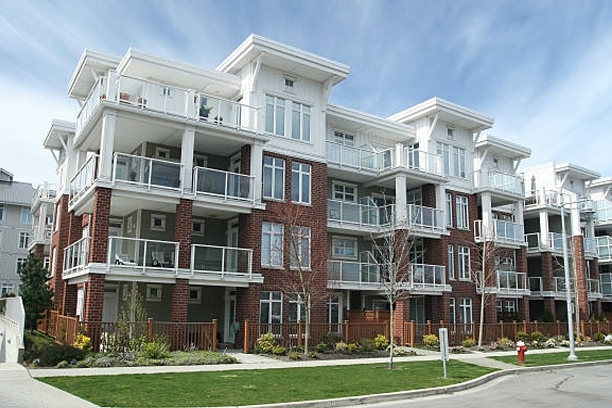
(600, 191)
(174, 180)
(15, 229)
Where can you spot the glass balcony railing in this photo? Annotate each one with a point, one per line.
(593, 287)
(425, 218)
(226, 113)
(44, 192)
(503, 231)
(428, 277)
(559, 284)
(590, 246)
(153, 96)
(349, 213)
(93, 100)
(496, 180)
(604, 248)
(76, 257)
(353, 272)
(84, 179)
(223, 184)
(603, 212)
(556, 240)
(142, 253)
(146, 172)
(511, 281)
(423, 161)
(535, 285)
(606, 284)
(221, 260)
(359, 159)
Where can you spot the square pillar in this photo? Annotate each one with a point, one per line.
(178, 313)
(98, 231)
(182, 232)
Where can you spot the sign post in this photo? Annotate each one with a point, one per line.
(443, 335)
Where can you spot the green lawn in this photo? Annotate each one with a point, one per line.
(535, 360)
(246, 387)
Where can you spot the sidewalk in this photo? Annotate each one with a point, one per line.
(19, 387)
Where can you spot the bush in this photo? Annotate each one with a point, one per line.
(331, 338)
(279, 351)
(381, 342)
(599, 337)
(341, 346)
(321, 347)
(522, 336)
(53, 355)
(156, 349)
(352, 347)
(82, 342)
(467, 343)
(431, 340)
(366, 344)
(537, 336)
(293, 355)
(608, 339)
(266, 343)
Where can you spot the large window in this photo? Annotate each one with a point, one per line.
(453, 312)
(270, 307)
(1, 211)
(344, 247)
(271, 245)
(449, 210)
(26, 216)
(20, 263)
(464, 262)
(300, 122)
(297, 309)
(300, 183)
(274, 178)
(334, 310)
(300, 247)
(24, 240)
(465, 311)
(344, 138)
(344, 192)
(275, 115)
(462, 211)
(451, 261)
(453, 160)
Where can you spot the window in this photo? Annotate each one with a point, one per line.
(300, 247)
(300, 183)
(453, 160)
(344, 247)
(275, 115)
(1, 211)
(162, 153)
(154, 293)
(465, 311)
(158, 222)
(452, 311)
(270, 307)
(6, 288)
(334, 310)
(289, 84)
(20, 263)
(344, 192)
(344, 139)
(24, 240)
(449, 210)
(464, 262)
(271, 244)
(46, 262)
(451, 261)
(300, 122)
(297, 309)
(450, 133)
(195, 294)
(462, 212)
(26, 216)
(273, 178)
(197, 227)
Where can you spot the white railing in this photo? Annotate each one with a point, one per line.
(44, 192)
(604, 248)
(221, 260)
(359, 159)
(96, 94)
(542, 197)
(590, 246)
(76, 257)
(353, 272)
(535, 285)
(559, 284)
(503, 231)
(603, 211)
(226, 113)
(84, 179)
(511, 282)
(223, 184)
(146, 171)
(41, 235)
(593, 287)
(423, 161)
(428, 277)
(425, 218)
(142, 253)
(496, 180)
(606, 284)
(354, 214)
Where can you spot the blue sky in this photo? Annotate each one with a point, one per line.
(541, 69)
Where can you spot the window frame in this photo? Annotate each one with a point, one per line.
(449, 210)
(343, 192)
(301, 115)
(300, 236)
(27, 214)
(274, 298)
(275, 251)
(342, 239)
(273, 166)
(451, 261)
(301, 180)
(276, 108)
(24, 240)
(463, 263)
(197, 290)
(462, 212)
(153, 293)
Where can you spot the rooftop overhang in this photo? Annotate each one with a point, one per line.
(576, 172)
(447, 112)
(141, 65)
(290, 60)
(58, 133)
(91, 66)
(358, 122)
(603, 182)
(503, 147)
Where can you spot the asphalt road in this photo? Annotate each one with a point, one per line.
(558, 388)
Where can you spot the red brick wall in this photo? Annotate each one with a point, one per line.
(581, 278)
(182, 232)
(94, 297)
(179, 312)
(401, 314)
(70, 299)
(98, 231)
(547, 271)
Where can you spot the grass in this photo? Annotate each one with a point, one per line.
(246, 387)
(544, 359)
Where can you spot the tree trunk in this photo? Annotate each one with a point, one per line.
(391, 335)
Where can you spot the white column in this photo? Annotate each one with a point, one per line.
(187, 146)
(544, 231)
(401, 202)
(399, 157)
(257, 169)
(488, 230)
(441, 204)
(111, 86)
(105, 165)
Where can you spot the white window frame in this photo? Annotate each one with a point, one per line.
(300, 121)
(26, 216)
(289, 84)
(24, 240)
(1, 211)
(344, 139)
(296, 309)
(301, 179)
(339, 191)
(271, 245)
(452, 311)
(465, 311)
(162, 153)
(272, 166)
(197, 227)
(340, 247)
(272, 299)
(451, 261)
(301, 237)
(19, 262)
(454, 160)
(462, 212)
(154, 293)
(275, 115)
(194, 294)
(162, 221)
(449, 210)
(463, 263)
(6, 288)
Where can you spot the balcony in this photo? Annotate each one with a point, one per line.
(226, 113)
(492, 179)
(504, 232)
(356, 159)
(353, 214)
(423, 161)
(428, 279)
(590, 247)
(223, 184)
(542, 198)
(46, 192)
(76, 257)
(85, 178)
(222, 262)
(352, 274)
(144, 255)
(509, 282)
(425, 219)
(603, 212)
(93, 100)
(146, 172)
(40, 235)
(594, 289)
(606, 284)
(536, 243)
(604, 249)
(559, 285)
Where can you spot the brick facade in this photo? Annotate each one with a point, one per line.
(98, 229)
(182, 232)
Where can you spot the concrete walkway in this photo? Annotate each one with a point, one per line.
(19, 387)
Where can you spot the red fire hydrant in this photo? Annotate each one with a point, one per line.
(521, 349)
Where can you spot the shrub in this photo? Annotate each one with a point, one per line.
(341, 346)
(608, 339)
(321, 347)
(599, 337)
(352, 347)
(279, 351)
(381, 342)
(366, 344)
(53, 355)
(522, 336)
(156, 349)
(537, 336)
(431, 340)
(457, 349)
(331, 338)
(468, 342)
(266, 343)
(82, 342)
(313, 356)
(293, 355)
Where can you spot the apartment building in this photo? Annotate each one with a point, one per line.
(15, 230)
(180, 181)
(602, 203)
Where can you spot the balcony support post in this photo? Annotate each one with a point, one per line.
(107, 143)
(187, 145)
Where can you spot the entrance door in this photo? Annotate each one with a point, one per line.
(230, 324)
(111, 305)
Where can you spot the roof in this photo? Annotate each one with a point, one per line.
(355, 121)
(448, 112)
(578, 172)
(16, 193)
(90, 67)
(503, 147)
(58, 128)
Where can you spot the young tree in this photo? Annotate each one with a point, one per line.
(34, 291)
